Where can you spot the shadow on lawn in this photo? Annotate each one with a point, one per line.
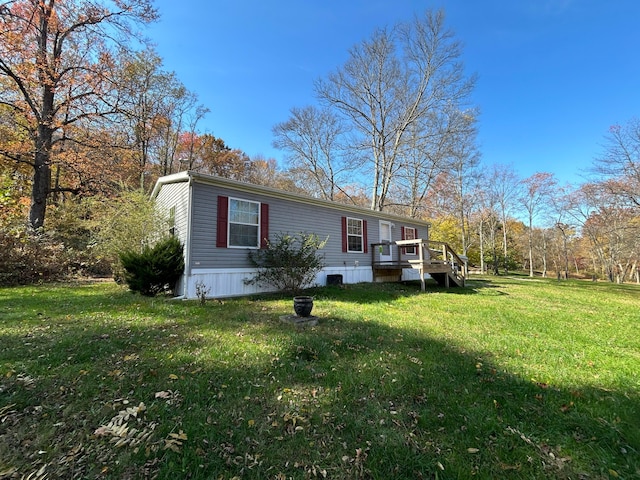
(387, 292)
(355, 399)
(377, 401)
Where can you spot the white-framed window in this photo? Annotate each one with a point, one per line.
(244, 223)
(410, 234)
(355, 235)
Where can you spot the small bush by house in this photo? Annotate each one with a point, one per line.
(155, 269)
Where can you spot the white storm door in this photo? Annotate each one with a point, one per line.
(385, 236)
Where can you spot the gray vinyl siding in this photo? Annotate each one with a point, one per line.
(285, 216)
(176, 195)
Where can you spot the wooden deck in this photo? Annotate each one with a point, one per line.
(434, 258)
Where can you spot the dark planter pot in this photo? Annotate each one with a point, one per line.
(303, 306)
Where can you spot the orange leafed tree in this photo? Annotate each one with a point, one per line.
(56, 66)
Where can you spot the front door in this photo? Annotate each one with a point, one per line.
(385, 236)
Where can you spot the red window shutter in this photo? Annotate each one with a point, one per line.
(344, 234)
(264, 225)
(222, 222)
(364, 236)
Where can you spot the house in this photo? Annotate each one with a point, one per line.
(219, 220)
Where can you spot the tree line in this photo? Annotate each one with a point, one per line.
(89, 118)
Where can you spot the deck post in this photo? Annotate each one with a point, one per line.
(421, 270)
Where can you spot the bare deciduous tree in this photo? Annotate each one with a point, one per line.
(504, 185)
(620, 163)
(314, 140)
(392, 87)
(536, 191)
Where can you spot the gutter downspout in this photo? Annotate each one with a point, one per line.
(187, 240)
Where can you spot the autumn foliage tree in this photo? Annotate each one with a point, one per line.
(56, 67)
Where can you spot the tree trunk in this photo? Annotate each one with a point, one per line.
(505, 250)
(41, 170)
(544, 255)
(39, 193)
(481, 247)
(43, 140)
(530, 244)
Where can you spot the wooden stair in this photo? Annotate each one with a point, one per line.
(442, 264)
(447, 279)
(445, 273)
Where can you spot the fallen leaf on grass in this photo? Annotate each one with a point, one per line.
(8, 472)
(179, 436)
(38, 475)
(6, 410)
(174, 442)
(473, 450)
(566, 407)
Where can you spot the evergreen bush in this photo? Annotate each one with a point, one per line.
(290, 263)
(155, 269)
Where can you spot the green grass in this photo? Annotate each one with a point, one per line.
(508, 378)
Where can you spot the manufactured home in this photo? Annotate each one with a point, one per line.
(220, 220)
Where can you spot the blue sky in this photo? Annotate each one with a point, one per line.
(553, 75)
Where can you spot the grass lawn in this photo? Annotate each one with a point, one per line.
(507, 378)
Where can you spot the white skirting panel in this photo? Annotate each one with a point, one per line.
(230, 282)
(220, 283)
(412, 274)
(349, 274)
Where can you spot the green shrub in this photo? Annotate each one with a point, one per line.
(156, 269)
(125, 223)
(33, 257)
(290, 263)
(82, 236)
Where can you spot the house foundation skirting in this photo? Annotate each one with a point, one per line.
(230, 282)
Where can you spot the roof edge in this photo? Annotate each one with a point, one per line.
(183, 176)
(277, 193)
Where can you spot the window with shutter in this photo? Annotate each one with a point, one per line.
(242, 223)
(354, 235)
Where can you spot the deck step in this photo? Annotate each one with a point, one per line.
(447, 280)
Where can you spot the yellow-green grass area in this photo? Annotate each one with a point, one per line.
(509, 377)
